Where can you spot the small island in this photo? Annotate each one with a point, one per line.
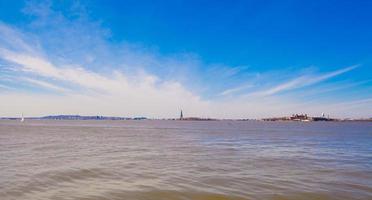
(307, 118)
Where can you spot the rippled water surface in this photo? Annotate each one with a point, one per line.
(184, 160)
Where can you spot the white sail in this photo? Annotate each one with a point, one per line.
(22, 119)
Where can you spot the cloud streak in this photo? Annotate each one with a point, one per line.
(45, 85)
(236, 89)
(303, 81)
(5, 87)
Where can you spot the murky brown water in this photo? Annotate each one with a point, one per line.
(184, 160)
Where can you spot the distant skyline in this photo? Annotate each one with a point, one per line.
(240, 59)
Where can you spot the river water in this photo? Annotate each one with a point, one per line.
(180, 160)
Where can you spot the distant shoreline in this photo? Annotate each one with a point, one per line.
(113, 118)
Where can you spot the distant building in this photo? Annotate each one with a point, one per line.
(299, 117)
(181, 115)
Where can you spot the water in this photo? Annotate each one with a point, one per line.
(155, 160)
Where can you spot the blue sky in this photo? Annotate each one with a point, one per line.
(212, 59)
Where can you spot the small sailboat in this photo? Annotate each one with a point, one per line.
(22, 118)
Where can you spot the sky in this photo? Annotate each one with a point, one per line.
(218, 59)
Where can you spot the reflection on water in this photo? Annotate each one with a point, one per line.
(185, 160)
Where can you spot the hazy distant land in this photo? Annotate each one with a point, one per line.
(302, 118)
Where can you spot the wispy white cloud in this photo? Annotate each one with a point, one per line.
(5, 87)
(332, 88)
(302, 81)
(45, 84)
(11, 38)
(236, 89)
